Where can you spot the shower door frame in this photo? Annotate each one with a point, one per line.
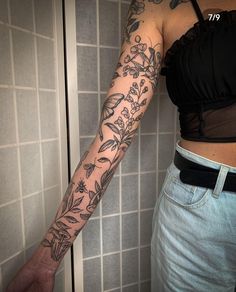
(73, 127)
(61, 77)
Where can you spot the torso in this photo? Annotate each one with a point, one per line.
(175, 23)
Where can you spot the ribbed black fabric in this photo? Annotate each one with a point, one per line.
(200, 70)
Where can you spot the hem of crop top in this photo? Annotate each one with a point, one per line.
(191, 34)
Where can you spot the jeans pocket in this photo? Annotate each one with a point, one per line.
(182, 194)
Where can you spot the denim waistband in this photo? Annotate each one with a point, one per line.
(202, 160)
(224, 169)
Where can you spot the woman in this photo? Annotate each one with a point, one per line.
(194, 229)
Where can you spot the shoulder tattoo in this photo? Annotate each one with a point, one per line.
(173, 3)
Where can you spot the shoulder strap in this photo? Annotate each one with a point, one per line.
(197, 10)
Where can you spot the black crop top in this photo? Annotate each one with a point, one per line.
(200, 70)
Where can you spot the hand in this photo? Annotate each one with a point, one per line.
(32, 278)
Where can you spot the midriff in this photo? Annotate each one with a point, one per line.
(219, 152)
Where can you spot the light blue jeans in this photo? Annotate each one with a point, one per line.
(193, 245)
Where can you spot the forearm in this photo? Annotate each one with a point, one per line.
(89, 182)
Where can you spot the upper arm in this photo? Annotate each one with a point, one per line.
(144, 17)
(142, 45)
(134, 80)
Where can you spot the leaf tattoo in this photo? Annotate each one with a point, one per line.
(108, 109)
(59, 242)
(133, 23)
(173, 3)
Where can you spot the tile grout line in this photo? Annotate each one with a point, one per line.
(28, 196)
(142, 134)
(99, 108)
(27, 143)
(25, 30)
(26, 88)
(117, 252)
(18, 253)
(38, 112)
(11, 257)
(90, 91)
(127, 286)
(17, 134)
(124, 213)
(95, 46)
(120, 169)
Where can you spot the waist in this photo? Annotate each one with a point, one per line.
(218, 152)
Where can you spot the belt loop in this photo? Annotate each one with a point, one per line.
(220, 181)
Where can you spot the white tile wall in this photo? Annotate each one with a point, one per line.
(31, 140)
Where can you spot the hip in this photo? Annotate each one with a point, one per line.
(218, 152)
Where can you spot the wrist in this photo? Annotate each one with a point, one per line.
(41, 259)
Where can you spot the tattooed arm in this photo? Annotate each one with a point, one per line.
(128, 97)
(131, 90)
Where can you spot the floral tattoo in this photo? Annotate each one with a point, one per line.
(141, 61)
(73, 210)
(149, 65)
